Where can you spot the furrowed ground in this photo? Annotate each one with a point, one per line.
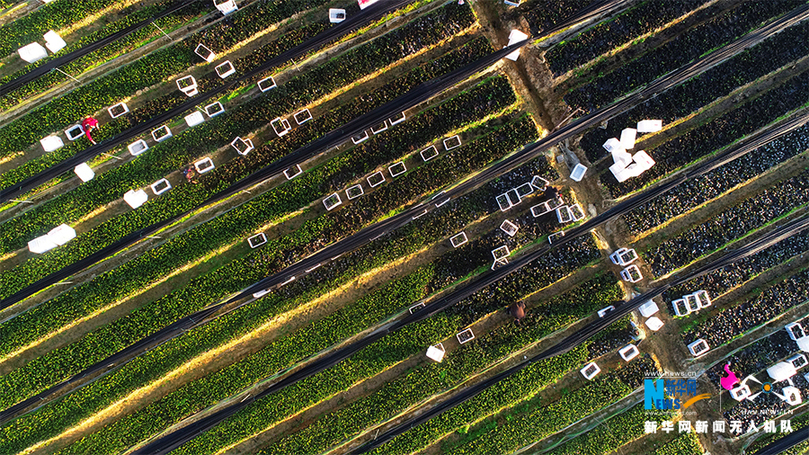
(318, 212)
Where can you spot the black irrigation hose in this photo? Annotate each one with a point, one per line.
(357, 21)
(95, 45)
(590, 330)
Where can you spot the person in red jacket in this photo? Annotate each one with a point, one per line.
(89, 124)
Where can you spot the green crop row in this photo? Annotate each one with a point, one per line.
(149, 70)
(53, 16)
(288, 197)
(52, 418)
(608, 437)
(166, 157)
(431, 378)
(683, 444)
(198, 395)
(106, 53)
(535, 421)
(277, 356)
(174, 155)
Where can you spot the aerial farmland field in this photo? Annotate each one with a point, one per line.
(404, 227)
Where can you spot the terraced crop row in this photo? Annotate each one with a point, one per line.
(733, 223)
(98, 394)
(206, 239)
(157, 163)
(719, 81)
(723, 280)
(430, 378)
(106, 53)
(53, 16)
(630, 24)
(688, 46)
(198, 395)
(145, 72)
(533, 422)
(721, 132)
(714, 184)
(731, 322)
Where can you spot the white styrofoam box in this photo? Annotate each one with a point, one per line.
(121, 107)
(161, 134)
(188, 85)
(214, 109)
(226, 6)
(51, 143)
(62, 234)
(332, 201)
(643, 159)
(578, 172)
(628, 136)
(54, 42)
(161, 186)
(204, 165)
(84, 172)
(32, 52)
(74, 132)
(613, 145)
(136, 198)
(267, 83)
(194, 118)
(138, 147)
(649, 126)
(205, 53)
(41, 244)
(225, 69)
(337, 15)
(513, 38)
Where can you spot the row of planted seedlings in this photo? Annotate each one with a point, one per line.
(228, 230)
(298, 91)
(532, 420)
(172, 155)
(635, 23)
(751, 311)
(152, 70)
(449, 268)
(40, 221)
(184, 17)
(688, 46)
(210, 80)
(321, 334)
(544, 15)
(736, 174)
(787, 253)
(49, 420)
(706, 134)
(224, 232)
(758, 211)
(718, 133)
(355, 422)
(54, 16)
(775, 53)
